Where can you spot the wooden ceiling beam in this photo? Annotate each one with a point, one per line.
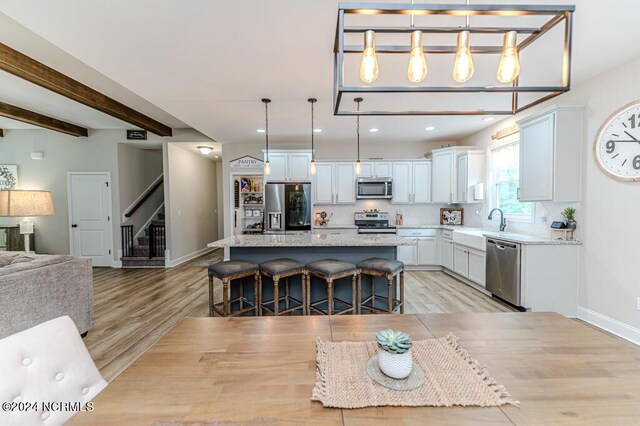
(29, 69)
(20, 114)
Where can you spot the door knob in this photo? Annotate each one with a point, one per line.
(74, 226)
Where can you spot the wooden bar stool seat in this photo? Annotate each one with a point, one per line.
(330, 270)
(230, 271)
(277, 270)
(389, 269)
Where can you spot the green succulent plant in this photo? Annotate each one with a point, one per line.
(569, 213)
(394, 342)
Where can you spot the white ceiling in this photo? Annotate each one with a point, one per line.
(208, 63)
(16, 91)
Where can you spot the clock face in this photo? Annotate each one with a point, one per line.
(617, 145)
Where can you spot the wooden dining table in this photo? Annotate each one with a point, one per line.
(236, 371)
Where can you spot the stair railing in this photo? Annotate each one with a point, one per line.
(157, 240)
(126, 232)
(143, 197)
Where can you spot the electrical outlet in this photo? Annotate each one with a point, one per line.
(477, 212)
(544, 219)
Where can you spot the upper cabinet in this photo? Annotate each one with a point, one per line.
(444, 174)
(375, 170)
(289, 166)
(471, 172)
(334, 183)
(411, 182)
(550, 155)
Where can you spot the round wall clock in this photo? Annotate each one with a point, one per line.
(617, 145)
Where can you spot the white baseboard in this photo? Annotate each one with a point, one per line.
(611, 325)
(170, 263)
(422, 268)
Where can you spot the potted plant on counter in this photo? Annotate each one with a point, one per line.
(394, 353)
(570, 218)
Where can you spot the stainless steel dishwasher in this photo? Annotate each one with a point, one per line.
(503, 270)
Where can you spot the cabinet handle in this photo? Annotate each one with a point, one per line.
(464, 196)
(450, 197)
(518, 193)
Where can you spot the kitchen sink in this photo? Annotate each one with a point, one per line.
(473, 239)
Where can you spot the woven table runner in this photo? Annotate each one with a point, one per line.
(452, 377)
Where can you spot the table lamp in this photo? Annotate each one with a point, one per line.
(26, 204)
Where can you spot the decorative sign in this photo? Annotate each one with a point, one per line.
(503, 133)
(8, 176)
(137, 135)
(246, 162)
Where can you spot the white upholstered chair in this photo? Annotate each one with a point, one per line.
(46, 363)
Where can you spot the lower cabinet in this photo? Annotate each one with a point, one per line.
(425, 250)
(447, 254)
(468, 263)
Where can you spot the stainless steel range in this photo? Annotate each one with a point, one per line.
(374, 222)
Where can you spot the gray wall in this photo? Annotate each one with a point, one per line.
(191, 202)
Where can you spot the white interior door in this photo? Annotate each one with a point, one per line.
(90, 217)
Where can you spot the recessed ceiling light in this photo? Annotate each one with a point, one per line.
(429, 128)
(261, 131)
(487, 119)
(373, 130)
(317, 130)
(216, 156)
(205, 150)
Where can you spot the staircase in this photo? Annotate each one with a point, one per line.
(147, 251)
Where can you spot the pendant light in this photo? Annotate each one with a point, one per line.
(267, 166)
(369, 64)
(509, 67)
(312, 165)
(463, 67)
(358, 165)
(417, 70)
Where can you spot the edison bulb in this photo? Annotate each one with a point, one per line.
(312, 167)
(463, 67)
(417, 70)
(358, 167)
(369, 64)
(267, 168)
(509, 67)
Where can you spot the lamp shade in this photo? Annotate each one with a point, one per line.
(25, 203)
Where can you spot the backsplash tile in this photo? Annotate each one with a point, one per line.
(419, 214)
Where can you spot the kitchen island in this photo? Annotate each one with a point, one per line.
(310, 247)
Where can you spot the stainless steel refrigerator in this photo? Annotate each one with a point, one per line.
(287, 207)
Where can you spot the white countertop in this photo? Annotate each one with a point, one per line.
(529, 239)
(313, 240)
(332, 226)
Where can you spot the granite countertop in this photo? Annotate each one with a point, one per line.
(331, 226)
(529, 239)
(313, 240)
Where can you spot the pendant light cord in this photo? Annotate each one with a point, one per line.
(313, 152)
(266, 125)
(467, 17)
(358, 126)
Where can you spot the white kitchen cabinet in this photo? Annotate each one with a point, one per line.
(550, 152)
(323, 184)
(477, 267)
(461, 260)
(411, 182)
(408, 254)
(290, 166)
(278, 163)
(471, 171)
(299, 166)
(375, 169)
(421, 182)
(334, 183)
(345, 183)
(447, 254)
(427, 251)
(443, 175)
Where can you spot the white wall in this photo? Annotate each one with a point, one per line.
(191, 202)
(608, 214)
(96, 153)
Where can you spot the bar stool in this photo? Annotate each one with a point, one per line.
(229, 271)
(277, 270)
(389, 269)
(331, 270)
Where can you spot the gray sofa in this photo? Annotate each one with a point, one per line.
(36, 288)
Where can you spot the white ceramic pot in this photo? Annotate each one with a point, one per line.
(397, 366)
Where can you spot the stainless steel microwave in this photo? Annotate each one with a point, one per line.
(374, 188)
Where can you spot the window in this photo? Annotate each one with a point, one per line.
(505, 174)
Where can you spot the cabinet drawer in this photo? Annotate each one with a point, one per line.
(407, 232)
(447, 234)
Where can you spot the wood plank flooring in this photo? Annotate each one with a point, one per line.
(133, 308)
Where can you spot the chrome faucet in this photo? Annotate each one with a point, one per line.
(503, 221)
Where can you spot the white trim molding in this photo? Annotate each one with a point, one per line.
(170, 263)
(611, 325)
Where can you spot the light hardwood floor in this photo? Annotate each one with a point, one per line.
(133, 308)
